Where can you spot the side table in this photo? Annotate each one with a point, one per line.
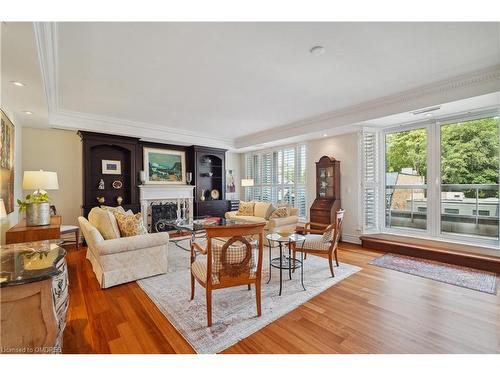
(284, 262)
(22, 233)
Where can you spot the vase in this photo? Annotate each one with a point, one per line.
(202, 197)
(38, 214)
(119, 200)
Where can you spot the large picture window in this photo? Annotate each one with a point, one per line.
(440, 179)
(279, 176)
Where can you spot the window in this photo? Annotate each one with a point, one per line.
(405, 178)
(469, 177)
(439, 177)
(279, 176)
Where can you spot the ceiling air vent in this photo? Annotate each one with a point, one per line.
(425, 110)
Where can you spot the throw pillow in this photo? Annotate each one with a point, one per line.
(279, 212)
(130, 225)
(105, 222)
(246, 209)
(270, 211)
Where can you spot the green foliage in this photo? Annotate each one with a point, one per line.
(407, 150)
(37, 197)
(469, 152)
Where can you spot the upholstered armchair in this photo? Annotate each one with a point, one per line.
(232, 257)
(323, 241)
(121, 260)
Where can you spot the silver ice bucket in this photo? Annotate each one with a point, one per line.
(38, 214)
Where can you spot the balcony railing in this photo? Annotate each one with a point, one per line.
(474, 211)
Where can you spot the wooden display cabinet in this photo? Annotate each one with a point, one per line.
(327, 200)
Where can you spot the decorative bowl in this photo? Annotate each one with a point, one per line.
(285, 233)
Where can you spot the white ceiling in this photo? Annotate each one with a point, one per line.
(20, 63)
(239, 83)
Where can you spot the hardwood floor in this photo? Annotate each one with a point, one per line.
(374, 311)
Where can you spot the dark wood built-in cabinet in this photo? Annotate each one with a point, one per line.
(207, 165)
(327, 200)
(98, 147)
(209, 175)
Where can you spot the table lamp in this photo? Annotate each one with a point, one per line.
(38, 212)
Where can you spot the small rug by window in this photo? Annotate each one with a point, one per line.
(464, 277)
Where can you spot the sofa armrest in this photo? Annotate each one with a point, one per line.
(231, 215)
(290, 221)
(123, 244)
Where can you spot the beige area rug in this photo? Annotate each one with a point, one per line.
(234, 309)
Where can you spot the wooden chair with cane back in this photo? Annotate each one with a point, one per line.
(230, 260)
(323, 241)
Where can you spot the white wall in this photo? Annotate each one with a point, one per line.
(58, 151)
(344, 148)
(13, 218)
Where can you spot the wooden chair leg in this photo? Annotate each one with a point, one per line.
(249, 287)
(77, 235)
(330, 263)
(209, 307)
(336, 260)
(192, 287)
(258, 297)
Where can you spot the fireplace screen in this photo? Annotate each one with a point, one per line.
(162, 217)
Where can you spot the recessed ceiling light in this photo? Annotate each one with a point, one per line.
(429, 114)
(17, 83)
(317, 50)
(324, 135)
(28, 112)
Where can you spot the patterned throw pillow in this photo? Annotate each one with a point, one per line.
(279, 212)
(130, 225)
(246, 209)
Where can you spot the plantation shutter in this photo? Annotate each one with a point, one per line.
(369, 180)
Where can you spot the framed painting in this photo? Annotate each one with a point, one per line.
(111, 167)
(7, 139)
(164, 166)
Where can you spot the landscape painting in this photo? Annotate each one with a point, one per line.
(164, 166)
(7, 162)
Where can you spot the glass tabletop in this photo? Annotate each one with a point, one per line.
(293, 237)
(200, 224)
(29, 262)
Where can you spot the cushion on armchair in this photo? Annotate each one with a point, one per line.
(130, 225)
(104, 221)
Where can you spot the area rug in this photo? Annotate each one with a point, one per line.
(464, 277)
(234, 309)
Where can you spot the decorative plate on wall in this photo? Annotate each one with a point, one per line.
(214, 194)
(117, 184)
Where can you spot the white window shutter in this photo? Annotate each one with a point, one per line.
(369, 180)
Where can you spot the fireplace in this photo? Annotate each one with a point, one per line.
(162, 216)
(163, 204)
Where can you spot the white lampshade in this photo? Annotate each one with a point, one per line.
(247, 182)
(3, 212)
(35, 180)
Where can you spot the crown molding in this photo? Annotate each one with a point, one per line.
(146, 131)
(46, 43)
(468, 85)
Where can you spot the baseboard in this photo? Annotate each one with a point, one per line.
(351, 238)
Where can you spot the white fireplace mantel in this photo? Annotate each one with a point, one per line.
(165, 192)
(155, 193)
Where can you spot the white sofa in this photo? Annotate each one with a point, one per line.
(273, 225)
(121, 260)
